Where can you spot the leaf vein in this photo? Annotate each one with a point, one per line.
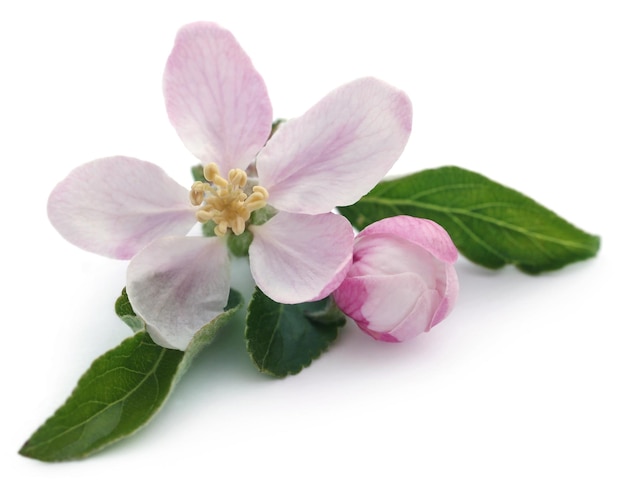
(108, 405)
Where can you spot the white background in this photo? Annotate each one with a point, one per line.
(523, 380)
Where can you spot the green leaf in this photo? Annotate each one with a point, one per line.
(125, 311)
(283, 339)
(207, 334)
(490, 224)
(121, 391)
(203, 337)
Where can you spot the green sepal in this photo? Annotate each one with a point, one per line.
(276, 125)
(197, 172)
(283, 339)
(492, 225)
(239, 244)
(262, 215)
(120, 392)
(208, 229)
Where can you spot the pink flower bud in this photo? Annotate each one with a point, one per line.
(402, 281)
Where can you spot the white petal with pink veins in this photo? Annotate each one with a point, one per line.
(115, 206)
(215, 98)
(298, 258)
(420, 231)
(402, 280)
(338, 150)
(178, 285)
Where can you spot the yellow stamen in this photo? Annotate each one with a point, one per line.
(224, 200)
(196, 195)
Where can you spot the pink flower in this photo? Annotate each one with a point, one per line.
(402, 280)
(279, 193)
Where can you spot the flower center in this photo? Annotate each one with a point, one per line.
(225, 201)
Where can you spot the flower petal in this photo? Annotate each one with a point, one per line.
(402, 280)
(420, 231)
(115, 206)
(338, 150)
(449, 297)
(299, 258)
(395, 244)
(215, 99)
(390, 308)
(178, 285)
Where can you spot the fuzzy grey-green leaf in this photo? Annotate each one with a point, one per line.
(490, 224)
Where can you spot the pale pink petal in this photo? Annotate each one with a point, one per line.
(298, 258)
(450, 295)
(423, 232)
(338, 150)
(115, 206)
(178, 285)
(420, 319)
(215, 99)
(402, 280)
(391, 308)
(388, 255)
(380, 254)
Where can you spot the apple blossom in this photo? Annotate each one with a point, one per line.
(402, 281)
(279, 192)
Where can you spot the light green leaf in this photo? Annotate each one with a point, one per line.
(207, 334)
(489, 223)
(121, 391)
(283, 339)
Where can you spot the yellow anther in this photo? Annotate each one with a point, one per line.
(221, 229)
(239, 226)
(225, 201)
(203, 216)
(258, 198)
(238, 177)
(196, 195)
(261, 190)
(211, 171)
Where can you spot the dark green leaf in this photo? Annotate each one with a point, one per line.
(490, 224)
(283, 339)
(119, 393)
